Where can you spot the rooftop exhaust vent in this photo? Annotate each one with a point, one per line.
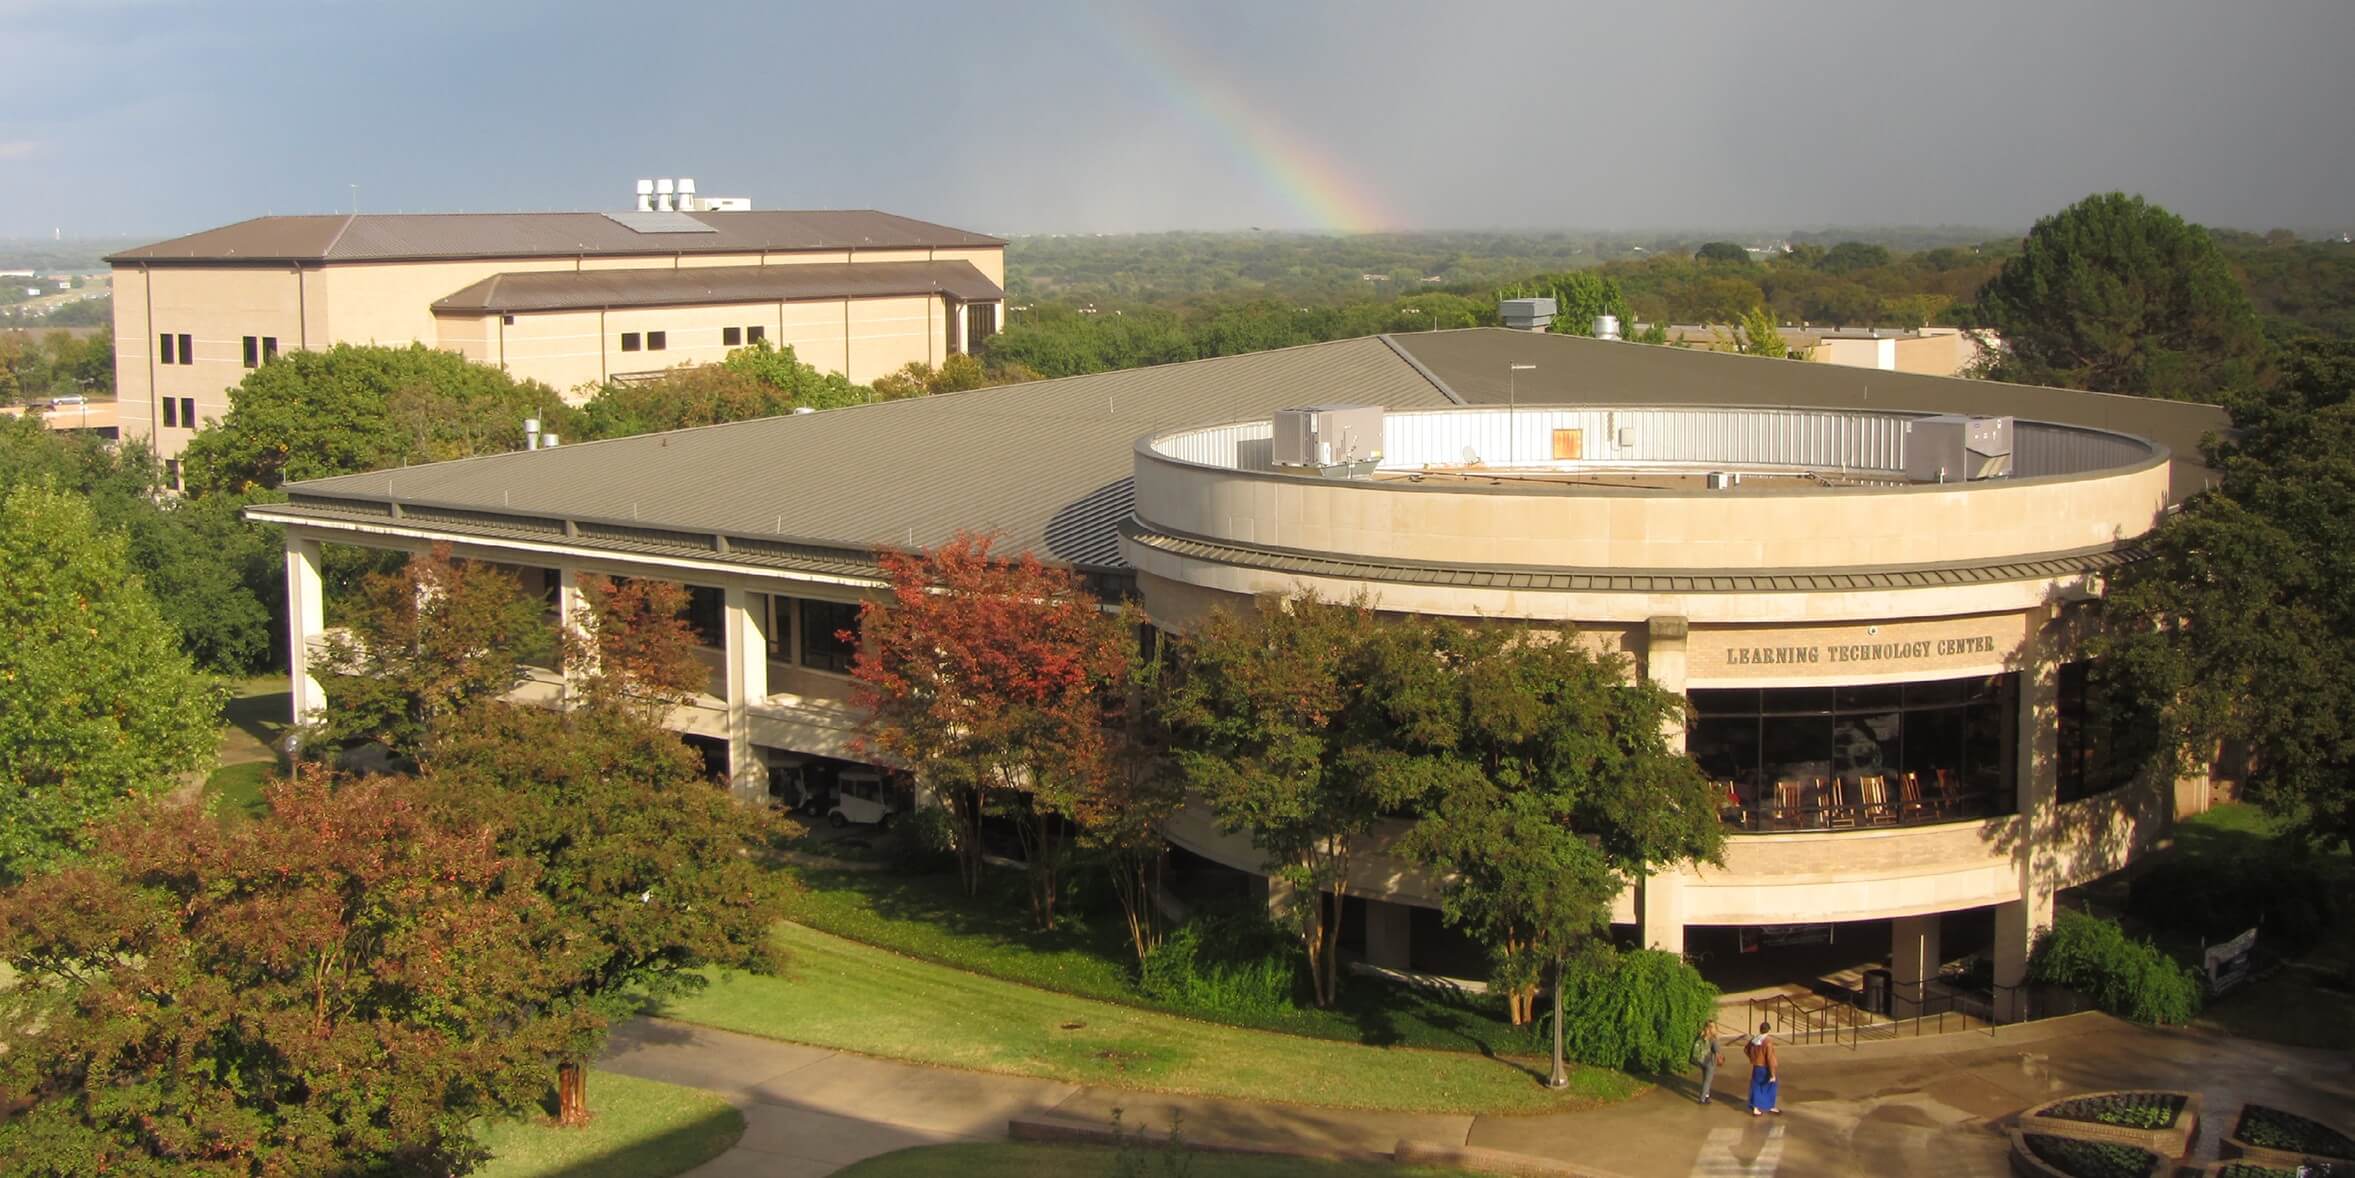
(1526, 314)
(1953, 448)
(1336, 441)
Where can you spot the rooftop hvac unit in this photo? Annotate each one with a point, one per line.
(1336, 440)
(1526, 314)
(1954, 448)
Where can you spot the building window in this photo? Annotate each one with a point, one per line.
(706, 615)
(172, 412)
(509, 320)
(731, 337)
(657, 340)
(187, 413)
(253, 351)
(163, 349)
(823, 626)
(2105, 737)
(629, 341)
(780, 628)
(981, 322)
(187, 350)
(269, 348)
(172, 474)
(755, 334)
(1785, 753)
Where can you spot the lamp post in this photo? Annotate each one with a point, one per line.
(1513, 411)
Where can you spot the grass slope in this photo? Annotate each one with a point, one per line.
(641, 1129)
(2301, 1004)
(842, 994)
(1023, 1160)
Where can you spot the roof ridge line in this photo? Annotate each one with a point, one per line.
(328, 251)
(1422, 370)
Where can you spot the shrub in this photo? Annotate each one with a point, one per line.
(924, 843)
(1632, 1011)
(1223, 966)
(2272, 1128)
(2091, 1159)
(2286, 898)
(2129, 978)
(2132, 1110)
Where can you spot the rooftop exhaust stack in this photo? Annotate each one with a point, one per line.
(1606, 327)
(645, 196)
(686, 194)
(664, 201)
(1526, 314)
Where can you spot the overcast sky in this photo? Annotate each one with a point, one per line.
(1021, 117)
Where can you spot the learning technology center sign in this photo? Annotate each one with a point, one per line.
(1974, 646)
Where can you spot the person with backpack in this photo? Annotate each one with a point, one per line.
(1764, 1076)
(1707, 1054)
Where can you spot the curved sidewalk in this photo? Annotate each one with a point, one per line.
(1921, 1106)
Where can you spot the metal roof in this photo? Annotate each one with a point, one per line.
(1047, 464)
(567, 290)
(382, 237)
(1472, 364)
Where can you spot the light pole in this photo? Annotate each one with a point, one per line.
(1513, 411)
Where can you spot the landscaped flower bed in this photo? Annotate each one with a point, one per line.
(2285, 1140)
(2244, 1168)
(2043, 1155)
(2162, 1123)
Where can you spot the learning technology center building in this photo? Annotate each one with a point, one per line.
(1872, 587)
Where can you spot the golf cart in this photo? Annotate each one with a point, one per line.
(861, 797)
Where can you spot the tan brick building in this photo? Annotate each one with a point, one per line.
(569, 299)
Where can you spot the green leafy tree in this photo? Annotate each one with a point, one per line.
(1849, 257)
(1722, 253)
(422, 644)
(2118, 295)
(1580, 297)
(97, 703)
(684, 397)
(343, 987)
(2239, 623)
(1761, 336)
(802, 385)
(308, 415)
(1271, 720)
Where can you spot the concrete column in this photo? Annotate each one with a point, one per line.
(571, 609)
(1660, 898)
(1389, 931)
(1659, 910)
(305, 620)
(1277, 895)
(1914, 958)
(745, 620)
(2037, 838)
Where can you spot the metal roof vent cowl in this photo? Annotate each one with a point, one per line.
(1526, 314)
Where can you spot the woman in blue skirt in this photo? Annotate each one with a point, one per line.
(1764, 1077)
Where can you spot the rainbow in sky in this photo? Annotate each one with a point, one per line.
(1306, 177)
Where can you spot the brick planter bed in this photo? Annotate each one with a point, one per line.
(2282, 1140)
(2248, 1168)
(2042, 1155)
(2159, 1122)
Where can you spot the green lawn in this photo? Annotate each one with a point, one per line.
(930, 917)
(640, 1129)
(2300, 1004)
(842, 994)
(237, 789)
(1026, 1160)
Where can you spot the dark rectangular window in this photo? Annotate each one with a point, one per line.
(172, 473)
(163, 349)
(731, 337)
(187, 413)
(187, 349)
(172, 412)
(981, 322)
(780, 628)
(509, 320)
(629, 341)
(706, 615)
(755, 334)
(269, 348)
(253, 351)
(823, 624)
(657, 340)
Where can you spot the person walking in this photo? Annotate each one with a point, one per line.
(1765, 1077)
(1708, 1052)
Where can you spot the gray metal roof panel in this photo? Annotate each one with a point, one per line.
(359, 237)
(568, 290)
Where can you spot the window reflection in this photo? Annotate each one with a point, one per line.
(1832, 757)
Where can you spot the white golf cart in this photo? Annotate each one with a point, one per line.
(861, 797)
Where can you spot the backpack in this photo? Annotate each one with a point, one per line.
(1701, 1047)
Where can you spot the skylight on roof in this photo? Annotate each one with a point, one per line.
(659, 222)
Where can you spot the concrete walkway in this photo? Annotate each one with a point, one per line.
(1915, 1106)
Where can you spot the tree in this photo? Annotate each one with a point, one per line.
(802, 385)
(1580, 297)
(1851, 256)
(1761, 336)
(956, 374)
(2239, 624)
(1272, 718)
(1722, 252)
(343, 987)
(424, 643)
(998, 678)
(97, 704)
(308, 415)
(2118, 295)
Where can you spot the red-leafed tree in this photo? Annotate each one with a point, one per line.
(1001, 680)
(631, 644)
(346, 986)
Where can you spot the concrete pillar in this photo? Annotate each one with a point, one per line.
(745, 619)
(1914, 958)
(1277, 895)
(572, 606)
(2037, 844)
(1660, 897)
(1659, 909)
(305, 619)
(1389, 931)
